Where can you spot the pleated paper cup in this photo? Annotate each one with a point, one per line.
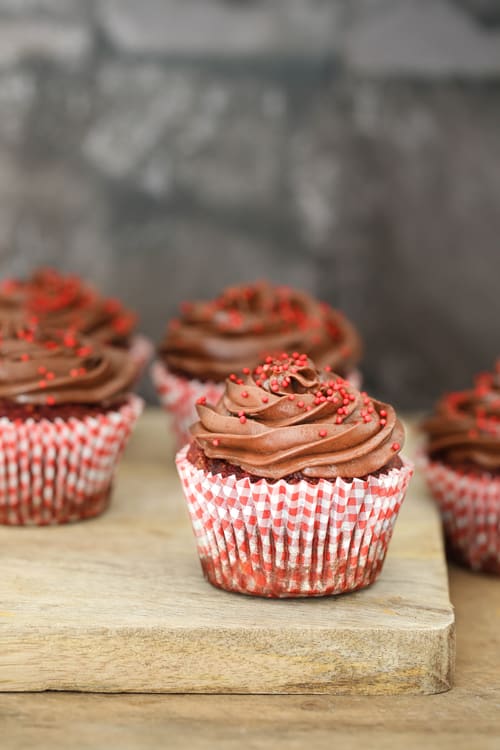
(276, 539)
(54, 472)
(141, 350)
(470, 509)
(178, 397)
(355, 378)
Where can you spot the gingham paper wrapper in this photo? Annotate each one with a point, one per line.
(286, 540)
(356, 379)
(61, 471)
(470, 509)
(178, 396)
(141, 350)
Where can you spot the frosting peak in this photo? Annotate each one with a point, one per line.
(50, 368)
(295, 374)
(63, 301)
(243, 324)
(286, 416)
(465, 426)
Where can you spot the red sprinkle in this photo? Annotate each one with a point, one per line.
(201, 400)
(244, 394)
(265, 399)
(339, 420)
(243, 419)
(300, 404)
(50, 400)
(291, 397)
(383, 413)
(322, 433)
(246, 371)
(395, 446)
(215, 442)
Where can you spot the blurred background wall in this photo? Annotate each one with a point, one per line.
(164, 148)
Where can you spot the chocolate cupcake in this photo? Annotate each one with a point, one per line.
(463, 470)
(65, 302)
(293, 482)
(66, 413)
(238, 329)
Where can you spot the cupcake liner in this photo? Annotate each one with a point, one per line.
(141, 350)
(61, 471)
(276, 539)
(355, 378)
(178, 396)
(470, 509)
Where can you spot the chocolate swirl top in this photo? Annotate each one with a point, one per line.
(63, 302)
(287, 417)
(465, 426)
(58, 368)
(244, 324)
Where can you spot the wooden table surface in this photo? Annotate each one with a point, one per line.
(468, 716)
(119, 604)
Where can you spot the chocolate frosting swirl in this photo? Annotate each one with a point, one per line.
(62, 302)
(288, 417)
(58, 368)
(245, 323)
(465, 426)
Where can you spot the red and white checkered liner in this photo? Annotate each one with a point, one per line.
(286, 540)
(470, 509)
(179, 395)
(356, 379)
(61, 471)
(141, 350)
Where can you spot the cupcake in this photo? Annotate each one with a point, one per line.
(293, 482)
(65, 415)
(462, 469)
(65, 302)
(237, 330)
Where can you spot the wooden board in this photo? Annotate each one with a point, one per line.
(119, 604)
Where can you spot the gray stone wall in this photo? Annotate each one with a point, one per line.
(164, 148)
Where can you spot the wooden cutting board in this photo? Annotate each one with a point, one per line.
(119, 604)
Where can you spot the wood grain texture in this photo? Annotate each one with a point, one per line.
(119, 604)
(465, 717)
